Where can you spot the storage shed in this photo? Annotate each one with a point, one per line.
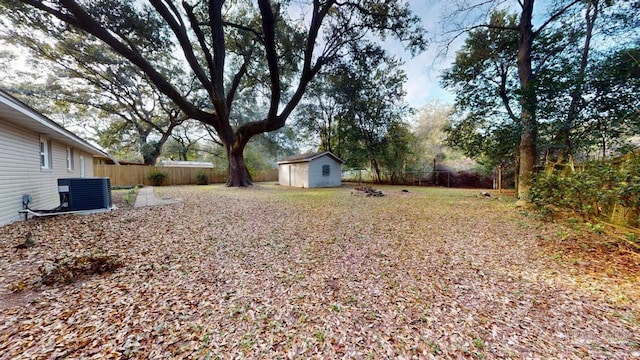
(311, 170)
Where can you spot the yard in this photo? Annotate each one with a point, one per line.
(275, 272)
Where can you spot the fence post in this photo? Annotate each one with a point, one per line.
(435, 172)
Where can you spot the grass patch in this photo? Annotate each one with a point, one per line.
(124, 198)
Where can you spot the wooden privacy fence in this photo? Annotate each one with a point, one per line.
(128, 175)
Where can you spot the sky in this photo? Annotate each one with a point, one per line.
(423, 71)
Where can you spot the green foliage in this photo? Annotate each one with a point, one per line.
(593, 191)
(202, 178)
(200, 58)
(430, 130)
(485, 122)
(397, 154)
(628, 189)
(586, 90)
(130, 197)
(320, 336)
(129, 117)
(357, 112)
(156, 178)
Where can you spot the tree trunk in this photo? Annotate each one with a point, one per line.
(150, 153)
(237, 174)
(528, 158)
(376, 171)
(591, 14)
(528, 122)
(150, 159)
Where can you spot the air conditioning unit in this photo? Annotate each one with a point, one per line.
(84, 193)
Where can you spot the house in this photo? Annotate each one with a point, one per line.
(311, 170)
(34, 153)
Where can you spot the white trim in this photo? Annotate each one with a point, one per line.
(45, 153)
(82, 165)
(70, 159)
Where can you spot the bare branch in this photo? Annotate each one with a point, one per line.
(179, 30)
(269, 29)
(258, 34)
(201, 39)
(236, 81)
(554, 16)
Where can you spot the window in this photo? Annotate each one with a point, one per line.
(82, 174)
(326, 170)
(45, 153)
(70, 159)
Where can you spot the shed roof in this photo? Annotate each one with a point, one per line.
(24, 116)
(308, 157)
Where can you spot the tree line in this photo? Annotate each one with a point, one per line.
(567, 88)
(532, 84)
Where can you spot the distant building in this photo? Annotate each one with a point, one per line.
(176, 163)
(311, 170)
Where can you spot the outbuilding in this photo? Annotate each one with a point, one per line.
(311, 170)
(34, 153)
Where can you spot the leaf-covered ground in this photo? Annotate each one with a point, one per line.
(273, 272)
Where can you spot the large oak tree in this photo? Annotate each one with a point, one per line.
(269, 49)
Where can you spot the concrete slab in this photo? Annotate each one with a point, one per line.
(147, 197)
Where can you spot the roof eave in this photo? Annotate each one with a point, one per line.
(29, 114)
(311, 158)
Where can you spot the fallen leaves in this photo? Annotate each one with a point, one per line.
(65, 270)
(273, 272)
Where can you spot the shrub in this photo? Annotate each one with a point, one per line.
(130, 197)
(156, 178)
(202, 178)
(593, 191)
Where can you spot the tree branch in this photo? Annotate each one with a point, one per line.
(177, 26)
(236, 81)
(269, 29)
(554, 17)
(86, 22)
(219, 53)
(258, 34)
(200, 35)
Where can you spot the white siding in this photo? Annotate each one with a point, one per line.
(316, 179)
(309, 174)
(20, 171)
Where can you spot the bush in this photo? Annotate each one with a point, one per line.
(202, 178)
(156, 178)
(130, 197)
(593, 191)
